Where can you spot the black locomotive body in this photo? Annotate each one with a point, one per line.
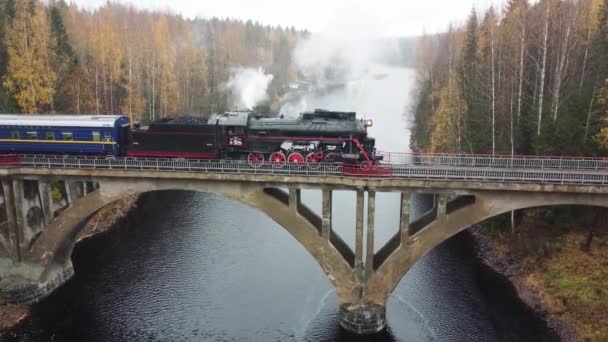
(319, 136)
(175, 138)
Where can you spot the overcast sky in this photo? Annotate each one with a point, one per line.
(385, 17)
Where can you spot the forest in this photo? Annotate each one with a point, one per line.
(529, 79)
(525, 79)
(58, 58)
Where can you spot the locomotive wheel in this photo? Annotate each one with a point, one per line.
(278, 159)
(295, 158)
(313, 161)
(255, 159)
(332, 159)
(366, 165)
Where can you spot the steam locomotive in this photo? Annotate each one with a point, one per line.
(311, 138)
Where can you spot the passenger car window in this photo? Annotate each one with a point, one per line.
(15, 134)
(107, 136)
(32, 135)
(67, 136)
(49, 135)
(96, 136)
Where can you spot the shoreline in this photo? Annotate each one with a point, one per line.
(106, 220)
(490, 256)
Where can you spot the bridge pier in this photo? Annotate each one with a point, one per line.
(363, 316)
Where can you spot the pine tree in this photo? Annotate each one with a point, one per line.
(65, 63)
(475, 121)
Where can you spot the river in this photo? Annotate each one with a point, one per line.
(198, 267)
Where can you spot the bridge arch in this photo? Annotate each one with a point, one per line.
(53, 249)
(487, 204)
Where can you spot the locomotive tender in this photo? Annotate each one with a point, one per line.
(313, 137)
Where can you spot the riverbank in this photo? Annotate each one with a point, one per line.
(104, 221)
(565, 286)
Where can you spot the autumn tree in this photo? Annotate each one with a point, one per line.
(602, 135)
(445, 136)
(29, 78)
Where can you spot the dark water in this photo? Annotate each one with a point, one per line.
(197, 267)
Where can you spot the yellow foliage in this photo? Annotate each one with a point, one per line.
(29, 78)
(447, 120)
(602, 136)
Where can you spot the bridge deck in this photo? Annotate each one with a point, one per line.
(401, 175)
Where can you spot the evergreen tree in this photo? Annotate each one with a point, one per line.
(476, 125)
(65, 62)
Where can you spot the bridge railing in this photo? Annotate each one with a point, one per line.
(9, 159)
(424, 172)
(495, 161)
(188, 165)
(536, 176)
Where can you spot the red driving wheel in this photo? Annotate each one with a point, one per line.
(295, 158)
(278, 159)
(255, 159)
(312, 160)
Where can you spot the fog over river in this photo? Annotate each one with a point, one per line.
(199, 267)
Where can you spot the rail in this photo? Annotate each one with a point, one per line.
(495, 161)
(404, 171)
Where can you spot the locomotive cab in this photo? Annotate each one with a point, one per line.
(232, 131)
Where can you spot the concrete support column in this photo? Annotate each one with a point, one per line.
(326, 214)
(19, 216)
(13, 228)
(68, 192)
(371, 217)
(46, 199)
(75, 190)
(404, 221)
(294, 199)
(359, 235)
(442, 205)
(363, 317)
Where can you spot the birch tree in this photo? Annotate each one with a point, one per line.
(543, 67)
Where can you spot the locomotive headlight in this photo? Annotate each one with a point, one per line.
(369, 123)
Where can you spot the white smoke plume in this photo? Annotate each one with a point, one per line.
(248, 86)
(346, 53)
(349, 67)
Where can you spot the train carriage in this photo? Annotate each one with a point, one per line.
(64, 134)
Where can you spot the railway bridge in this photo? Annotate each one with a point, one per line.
(45, 201)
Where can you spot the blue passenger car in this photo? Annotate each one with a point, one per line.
(64, 134)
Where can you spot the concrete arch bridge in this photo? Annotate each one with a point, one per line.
(45, 202)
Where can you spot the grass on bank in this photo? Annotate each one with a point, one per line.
(571, 283)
